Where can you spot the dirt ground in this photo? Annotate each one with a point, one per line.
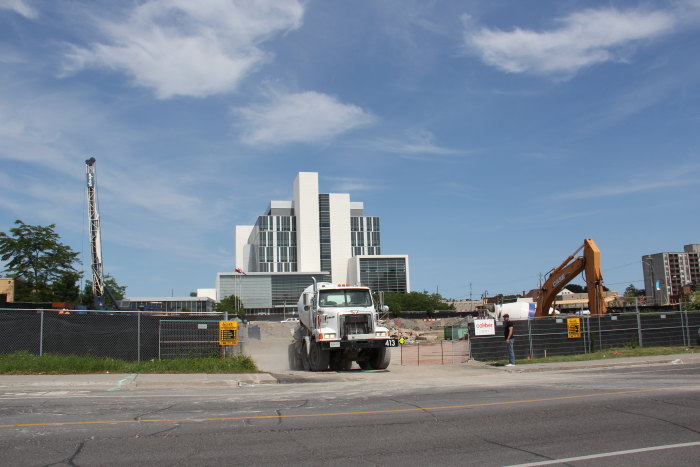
(270, 351)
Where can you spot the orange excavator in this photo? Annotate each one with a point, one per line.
(589, 264)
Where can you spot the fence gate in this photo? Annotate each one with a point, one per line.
(188, 339)
(439, 353)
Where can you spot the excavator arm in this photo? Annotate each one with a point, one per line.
(589, 264)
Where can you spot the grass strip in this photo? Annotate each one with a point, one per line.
(24, 363)
(607, 354)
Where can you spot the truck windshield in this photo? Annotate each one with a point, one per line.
(345, 298)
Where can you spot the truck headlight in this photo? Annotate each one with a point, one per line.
(328, 335)
(381, 334)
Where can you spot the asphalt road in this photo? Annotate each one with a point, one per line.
(646, 414)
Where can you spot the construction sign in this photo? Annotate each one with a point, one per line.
(228, 332)
(573, 326)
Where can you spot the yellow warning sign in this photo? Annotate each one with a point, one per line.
(573, 326)
(228, 332)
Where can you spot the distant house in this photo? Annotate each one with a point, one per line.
(7, 290)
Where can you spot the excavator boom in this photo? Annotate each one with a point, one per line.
(589, 264)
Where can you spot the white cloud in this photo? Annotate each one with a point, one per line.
(351, 185)
(672, 178)
(421, 142)
(307, 117)
(20, 7)
(186, 48)
(584, 39)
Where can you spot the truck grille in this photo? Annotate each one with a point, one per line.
(356, 324)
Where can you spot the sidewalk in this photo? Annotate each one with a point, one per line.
(119, 382)
(32, 384)
(676, 359)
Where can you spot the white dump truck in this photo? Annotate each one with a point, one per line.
(338, 326)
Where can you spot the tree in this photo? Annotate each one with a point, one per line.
(119, 291)
(231, 305)
(34, 255)
(694, 299)
(66, 288)
(415, 301)
(631, 291)
(575, 288)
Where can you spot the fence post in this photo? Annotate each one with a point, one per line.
(160, 342)
(138, 336)
(529, 337)
(639, 323)
(41, 334)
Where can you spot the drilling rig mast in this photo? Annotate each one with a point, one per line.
(98, 282)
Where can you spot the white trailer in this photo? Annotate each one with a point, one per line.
(338, 326)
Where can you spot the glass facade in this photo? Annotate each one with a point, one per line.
(275, 244)
(286, 289)
(365, 236)
(266, 292)
(324, 214)
(384, 274)
(181, 305)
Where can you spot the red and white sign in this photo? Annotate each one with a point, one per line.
(484, 327)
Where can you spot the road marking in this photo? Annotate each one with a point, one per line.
(335, 414)
(609, 454)
(121, 381)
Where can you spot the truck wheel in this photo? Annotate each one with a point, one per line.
(294, 358)
(381, 359)
(305, 361)
(378, 359)
(318, 358)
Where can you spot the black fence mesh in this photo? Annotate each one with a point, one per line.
(124, 336)
(546, 337)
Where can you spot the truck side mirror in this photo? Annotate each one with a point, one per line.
(385, 308)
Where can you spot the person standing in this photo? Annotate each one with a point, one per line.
(509, 334)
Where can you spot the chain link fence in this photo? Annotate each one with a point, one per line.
(140, 336)
(545, 337)
(122, 335)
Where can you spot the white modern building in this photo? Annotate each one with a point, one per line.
(326, 236)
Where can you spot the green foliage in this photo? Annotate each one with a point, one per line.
(119, 291)
(231, 305)
(694, 301)
(26, 363)
(631, 291)
(415, 301)
(66, 288)
(575, 288)
(39, 262)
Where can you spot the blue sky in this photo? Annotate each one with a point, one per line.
(490, 137)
